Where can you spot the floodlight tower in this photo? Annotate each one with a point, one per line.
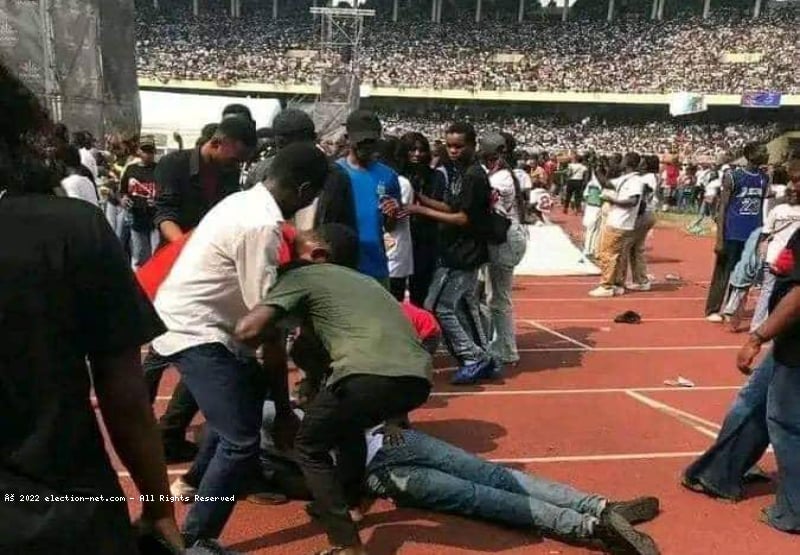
(340, 32)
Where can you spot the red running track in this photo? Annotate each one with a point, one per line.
(587, 406)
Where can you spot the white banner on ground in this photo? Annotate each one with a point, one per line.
(550, 252)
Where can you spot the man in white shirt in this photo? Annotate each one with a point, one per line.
(618, 232)
(781, 223)
(224, 270)
(74, 184)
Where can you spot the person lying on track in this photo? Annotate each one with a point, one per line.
(414, 469)
(379, 370)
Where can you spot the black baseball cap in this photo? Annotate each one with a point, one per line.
(492, 143)
(293, 123)
(363, 125)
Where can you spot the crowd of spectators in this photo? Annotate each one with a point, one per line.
(630, 54)
(554, 134)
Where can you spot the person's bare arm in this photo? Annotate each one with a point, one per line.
(453, 218)
(425, 200)
(786, 314)
(171, 231)
(252, 329)
(122, 398)
(257, 328)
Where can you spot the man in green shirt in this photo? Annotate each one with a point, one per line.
(379, 371)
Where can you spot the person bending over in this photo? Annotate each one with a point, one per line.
(379, 370)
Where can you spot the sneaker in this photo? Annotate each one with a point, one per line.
(636, 511)
(619, 291)
(179, 488)
(209, 547)
(715, 318)
(620, 537)
(473, 373)
(602, 292)
(639, 286)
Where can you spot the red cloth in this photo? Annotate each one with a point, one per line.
(153, 273)
(423, 321)
(289, 234)
(784, 264)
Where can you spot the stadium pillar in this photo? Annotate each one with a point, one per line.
(155, 4)
(611, 10)
(707, 9)
(478, 6)
(233, 8)
(274, 9)
(433, 10)
(654, 10)
(565, 11)
(521, 11)
(661, 10)
(757, 10)
(395, 8)
(196, 7)
(439, 6)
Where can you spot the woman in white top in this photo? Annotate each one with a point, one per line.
(503, 258)
(645, 220)
(74, 184)
(399, 248)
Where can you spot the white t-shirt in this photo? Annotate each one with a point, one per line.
(503, 182)
(541, 200)
(223, 272)
(627, 187)
(88, 160)
(78, 186)
(576, 171)
(712, 188)
(399, 249)
(525, 181)
(651, 181)
(781, 223)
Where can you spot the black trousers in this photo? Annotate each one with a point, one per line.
(182, 407)
(420, 282)
(574, 195)
(723, 267)
(336, 419)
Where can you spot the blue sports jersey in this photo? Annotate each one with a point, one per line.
(744, 212)
(368, 185)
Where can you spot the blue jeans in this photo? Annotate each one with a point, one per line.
(143, 245)
(502, 261)
(430, 474)
(453, 298)
(761, 312)
(230, 392)
(765, 411)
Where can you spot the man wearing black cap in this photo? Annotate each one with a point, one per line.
(289, 126)
(335, 204)
(375, 189)
(138, 190)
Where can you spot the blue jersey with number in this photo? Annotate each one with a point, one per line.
(744, 213)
